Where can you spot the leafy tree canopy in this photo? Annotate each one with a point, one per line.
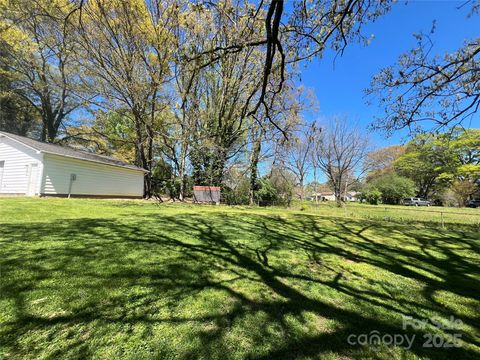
(392, 187)
(435, 161)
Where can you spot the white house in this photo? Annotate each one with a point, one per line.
(330, 196)
(352, 196)
(33, 168)
(323, 196)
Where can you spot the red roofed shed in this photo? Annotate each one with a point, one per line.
(206, 194)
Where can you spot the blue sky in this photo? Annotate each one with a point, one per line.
(339, 86)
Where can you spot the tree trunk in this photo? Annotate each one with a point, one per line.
(181, 174)
(254, 169)
(338, 193)
(181, 192)
(315, 188)
(51, 132)
(140, 158)
(338, 200)
(218, 166)
(49, 124)
(196, 167)
(300, 183)
(149, 161)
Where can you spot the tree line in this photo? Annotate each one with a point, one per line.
(443, 167)
(206, 93)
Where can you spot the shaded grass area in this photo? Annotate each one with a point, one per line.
(131, 280)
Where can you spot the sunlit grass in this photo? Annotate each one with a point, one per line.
(396, 213)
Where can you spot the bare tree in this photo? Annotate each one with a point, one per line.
(424, 87)
(380, 162)
(339, 153)
(297, 154)
(179, 128)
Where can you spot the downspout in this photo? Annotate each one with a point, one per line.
(73, 177)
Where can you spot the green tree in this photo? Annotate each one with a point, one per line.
(435, 161)
(424, 162)
(110, 133)
(463, 190)
(371, 195)
(393, 188)
(235, 189)
(17, 116)
(224, 86)
(267, 193)
(465, 146)
(40, 64)
(125, 51)
(283, 181)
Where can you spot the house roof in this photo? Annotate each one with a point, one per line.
(353, 193)
(69, 152)
(324, 193)
(205, 188)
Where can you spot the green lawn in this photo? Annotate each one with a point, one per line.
(134, 280)
(397, 213)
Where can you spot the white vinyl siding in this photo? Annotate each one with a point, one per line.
(91, 178)
(2, 164)
(18, 160)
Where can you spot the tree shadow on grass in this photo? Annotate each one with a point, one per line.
(228, 287)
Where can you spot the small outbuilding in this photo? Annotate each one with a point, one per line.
(206, 194)
(33, 168)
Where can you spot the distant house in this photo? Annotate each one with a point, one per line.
(352, 196)
(322, 196)
(330, 196)
(33, 168)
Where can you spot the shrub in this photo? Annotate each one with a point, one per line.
(267, 194)
(273, 189)
(372, 195)
(238, 195)
(393, 188)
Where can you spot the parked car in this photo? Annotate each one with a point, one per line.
(473, 203)
(416, 202)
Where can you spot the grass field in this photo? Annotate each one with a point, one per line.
(395, 213)
(136, 280)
